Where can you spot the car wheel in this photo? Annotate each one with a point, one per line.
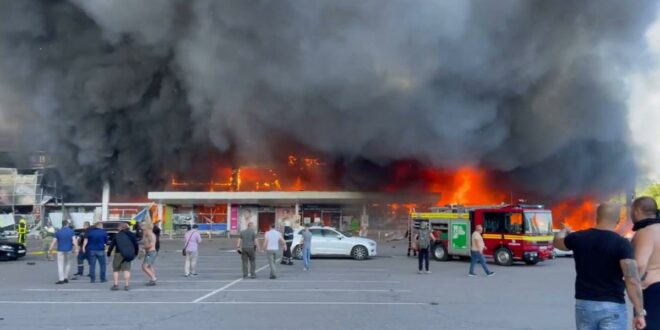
(440, 253)
(359, 252)
(297, 252)
(503, 257)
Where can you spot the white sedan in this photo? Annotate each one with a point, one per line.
(327, 241)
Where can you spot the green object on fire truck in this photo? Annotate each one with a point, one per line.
(459, 234)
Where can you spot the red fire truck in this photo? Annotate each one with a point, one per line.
(511, 232)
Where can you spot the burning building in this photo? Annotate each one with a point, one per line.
(526, 98)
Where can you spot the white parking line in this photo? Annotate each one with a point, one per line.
(227, 286)
(102, 290)
(313, 290)
(320, 281)
(215, 303)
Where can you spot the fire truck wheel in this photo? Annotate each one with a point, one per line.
(297, 252)
(440, 253)
(359, 252)
(503, 257)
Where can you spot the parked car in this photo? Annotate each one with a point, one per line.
(560, 253)
(326, 241)
(11, 250)
(112, 228)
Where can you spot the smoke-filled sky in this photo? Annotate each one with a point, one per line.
(536, 91)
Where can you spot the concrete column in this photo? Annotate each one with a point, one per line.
(228, 219)
(105, 201)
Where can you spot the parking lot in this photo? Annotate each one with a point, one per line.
(384, 292)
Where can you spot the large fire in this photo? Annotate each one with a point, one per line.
(465, 185)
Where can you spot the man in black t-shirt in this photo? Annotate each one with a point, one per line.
(603, 260)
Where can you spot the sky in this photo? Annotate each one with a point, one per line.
(644, 105)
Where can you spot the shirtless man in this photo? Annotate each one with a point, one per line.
(647, 253)
(150, 253)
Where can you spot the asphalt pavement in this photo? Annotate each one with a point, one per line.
(384, 292)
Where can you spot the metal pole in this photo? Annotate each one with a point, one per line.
(105, 201)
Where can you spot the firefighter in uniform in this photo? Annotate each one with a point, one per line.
(22, 230)
(288, 238)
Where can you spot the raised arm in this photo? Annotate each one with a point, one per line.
(559, 240)
(634, 289)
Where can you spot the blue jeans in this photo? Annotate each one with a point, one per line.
(307, 253)
(81, 262)
(600, 315)
(478, 257)
(93, 257)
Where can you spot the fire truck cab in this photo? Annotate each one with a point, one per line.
(510, 232)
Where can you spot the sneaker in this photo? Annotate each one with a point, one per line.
(253, 276)
(472, 275)
(151, 283)
(305, 269)
(60, 282)
(290, 263)
(193, 274)
(126, 288)
(428, 272)
(272, 277)
(282, 262)
(74, 278)
(490, 274)
(186, 275)
(66, 281)
(114, 288)
(419, 272)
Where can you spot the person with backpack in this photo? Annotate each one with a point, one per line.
(423, 239)
(125, 246)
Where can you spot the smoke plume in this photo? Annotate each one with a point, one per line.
(130, 90)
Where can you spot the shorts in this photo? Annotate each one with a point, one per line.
(651, 301)
(150, 257)
(119, 265)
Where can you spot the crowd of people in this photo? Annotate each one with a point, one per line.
(607, 265)
(93, 245)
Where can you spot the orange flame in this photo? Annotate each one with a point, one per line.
(578, 214)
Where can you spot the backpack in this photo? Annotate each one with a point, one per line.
(125, 246)
(423, 240)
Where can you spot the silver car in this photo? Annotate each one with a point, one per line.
(327, 241)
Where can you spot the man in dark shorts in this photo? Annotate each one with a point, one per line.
(126, 247)
(647, 253)
(605, 266)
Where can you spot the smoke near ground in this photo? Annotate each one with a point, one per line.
(130, 90)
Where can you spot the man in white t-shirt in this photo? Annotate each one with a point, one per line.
(272, 241)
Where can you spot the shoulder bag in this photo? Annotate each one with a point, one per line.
(183, 252)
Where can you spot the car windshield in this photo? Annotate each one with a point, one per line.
(347, 234)
(538, 223)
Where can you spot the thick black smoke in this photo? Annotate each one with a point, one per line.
(130, 90)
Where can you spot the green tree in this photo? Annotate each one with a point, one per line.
(652, 190)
